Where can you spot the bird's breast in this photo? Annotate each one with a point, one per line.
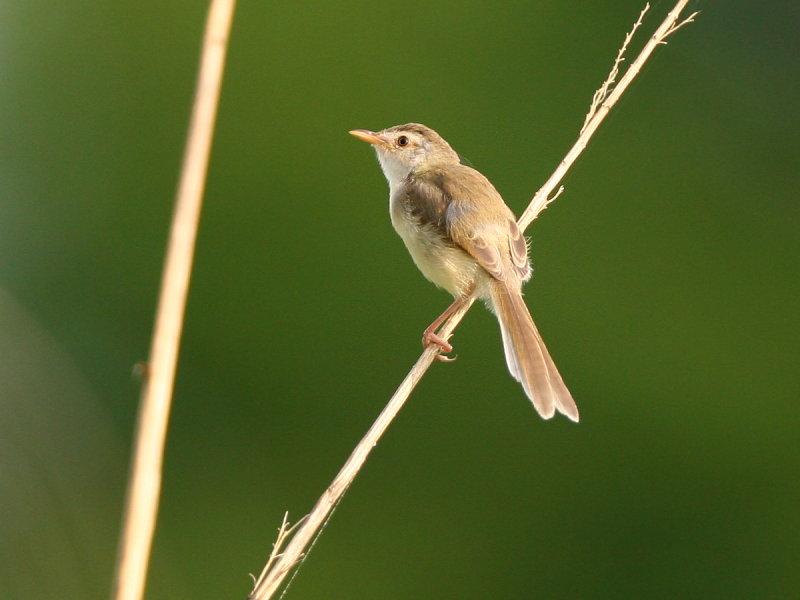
(434, 253)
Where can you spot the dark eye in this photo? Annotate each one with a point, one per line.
(402, 141)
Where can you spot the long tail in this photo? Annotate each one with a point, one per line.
(527, 357)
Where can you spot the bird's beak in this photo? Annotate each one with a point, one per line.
(369, 136)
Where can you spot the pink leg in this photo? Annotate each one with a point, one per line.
(429, 336)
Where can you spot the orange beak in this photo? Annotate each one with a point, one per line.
(369, 136)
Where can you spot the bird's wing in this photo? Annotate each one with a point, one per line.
(480, 222)
(518, 249)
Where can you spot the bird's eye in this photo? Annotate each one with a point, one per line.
(402, 141)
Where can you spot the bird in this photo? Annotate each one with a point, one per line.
(464, 238)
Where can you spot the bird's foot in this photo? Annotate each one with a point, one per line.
(430, 338)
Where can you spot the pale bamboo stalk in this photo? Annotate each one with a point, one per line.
(275, 572)
(144, 485)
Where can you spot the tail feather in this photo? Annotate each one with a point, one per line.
(527, 357)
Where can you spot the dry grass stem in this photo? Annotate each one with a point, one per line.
(604, 99)
(271, 579)
(284, 531)
(602, 93)
(599, 112)
(144, 486)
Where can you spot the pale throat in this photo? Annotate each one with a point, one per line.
(395, 170)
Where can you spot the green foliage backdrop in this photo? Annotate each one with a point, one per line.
(666, 287)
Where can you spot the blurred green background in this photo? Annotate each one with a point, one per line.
(666, 287)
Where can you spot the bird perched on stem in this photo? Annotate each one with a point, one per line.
(464, 238)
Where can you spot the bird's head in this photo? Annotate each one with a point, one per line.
(404, 149)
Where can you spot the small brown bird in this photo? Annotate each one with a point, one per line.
(463, 237)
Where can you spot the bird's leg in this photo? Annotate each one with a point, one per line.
(429, 336)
